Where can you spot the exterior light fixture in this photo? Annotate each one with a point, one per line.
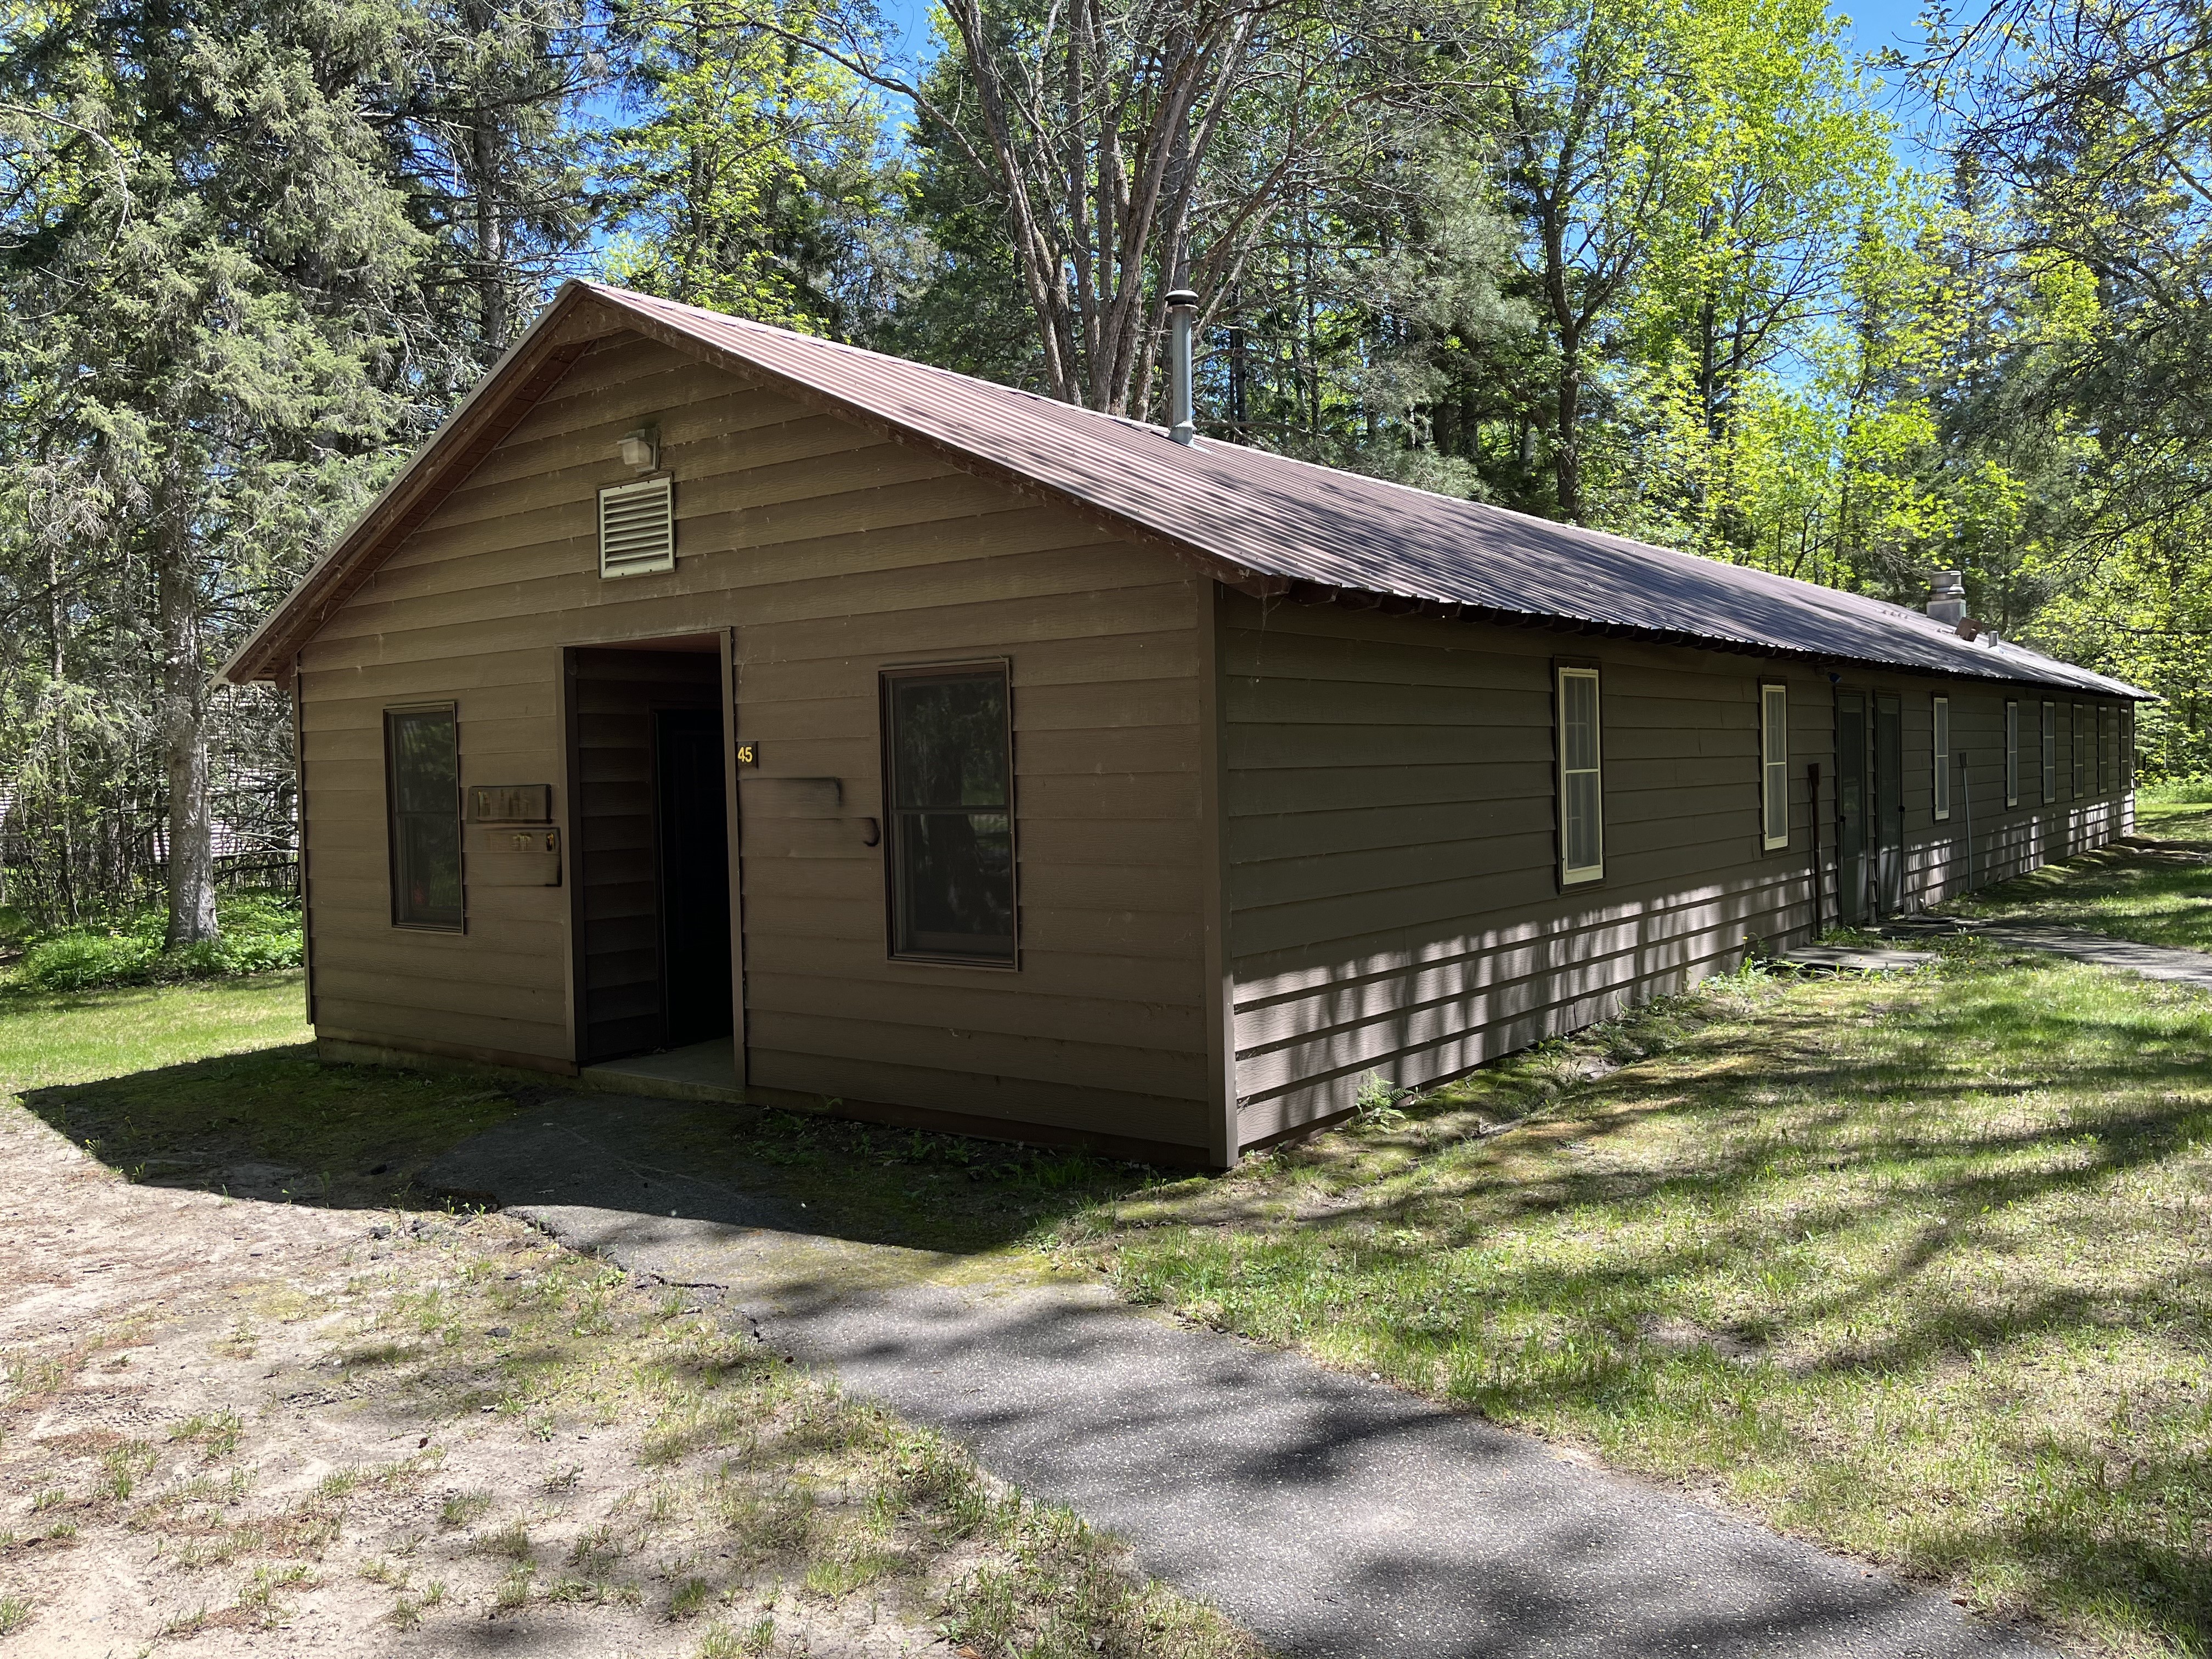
(640, 449)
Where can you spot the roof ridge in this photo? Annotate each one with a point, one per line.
(1257, 519)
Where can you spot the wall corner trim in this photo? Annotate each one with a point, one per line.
(1223, 1129)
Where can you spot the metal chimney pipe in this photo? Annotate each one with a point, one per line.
(1946, 597)
(1183, 320)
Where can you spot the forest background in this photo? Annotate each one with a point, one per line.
(1707, 272)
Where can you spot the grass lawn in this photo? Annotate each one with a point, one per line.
(1919, 1267)
(192, 1085)
(213, 1085)
(2161, 896)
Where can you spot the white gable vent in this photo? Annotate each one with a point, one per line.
(637, 527)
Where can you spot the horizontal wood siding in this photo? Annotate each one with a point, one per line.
(1983, 841)
(834, 554)
(1392, 882)
(498, 991)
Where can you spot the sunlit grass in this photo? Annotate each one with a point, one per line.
(54, 1037)
(1916, 1267)
(2159, 895)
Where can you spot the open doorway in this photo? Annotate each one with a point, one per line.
(651, 904)
(1851, 807)
(1889, 805)
(695, 875)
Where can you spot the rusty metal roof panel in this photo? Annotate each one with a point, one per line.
(1313, 525)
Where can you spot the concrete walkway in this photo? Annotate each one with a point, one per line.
(2164, 962)
(1329, 1515)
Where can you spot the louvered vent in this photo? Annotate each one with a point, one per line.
(637, 528)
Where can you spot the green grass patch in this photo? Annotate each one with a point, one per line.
(213, 1085)
(64, 1037)
(1918, 1267)
(2154, 896)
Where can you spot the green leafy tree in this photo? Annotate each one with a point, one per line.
(749, 177)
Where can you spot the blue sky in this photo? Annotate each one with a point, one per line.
(1875, 24)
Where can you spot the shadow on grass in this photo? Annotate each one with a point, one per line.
(2154, 895)
(281, 1126)
(1922, 1267)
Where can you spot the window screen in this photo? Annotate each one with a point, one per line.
(2104, 748)
(2077, 743)
(422, 788)
(2012, 754)
(1942, 734)
(1774, 766)
(2049, 753)
(948, 783)
(1582, 791)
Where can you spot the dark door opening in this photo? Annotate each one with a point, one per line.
(1851, 807)
(695, 875)
(651, 886)
(1889, 802)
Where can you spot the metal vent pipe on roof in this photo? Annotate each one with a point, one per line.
(1946, 597)
(1182, 322)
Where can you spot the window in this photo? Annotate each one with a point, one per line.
(2049, 753)
(1774, 766)
(2012, 754)
(1582, 791)
(2104, 750)
(1942, 734)
(423, 793)
(948, 783)
(2077, 742)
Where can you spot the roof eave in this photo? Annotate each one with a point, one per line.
(519, 375)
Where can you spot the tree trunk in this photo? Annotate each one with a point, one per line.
(1567, 457)
(185, 753)
(58, 667)
(488, 186)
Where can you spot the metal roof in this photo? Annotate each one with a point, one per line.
(1270, 524)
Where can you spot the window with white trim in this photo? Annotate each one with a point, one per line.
(1942, 750)
(2074, 746)
(2012, 754)
(1581, 781)
(2049, 753)
(1773, 766)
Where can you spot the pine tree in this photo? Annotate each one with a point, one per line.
(207, 278)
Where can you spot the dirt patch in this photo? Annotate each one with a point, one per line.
(241, 1427)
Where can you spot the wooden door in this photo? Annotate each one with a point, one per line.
(1889, 803)
(1851, 807)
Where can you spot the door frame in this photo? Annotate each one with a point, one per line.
(740, 1037)
(723, 647)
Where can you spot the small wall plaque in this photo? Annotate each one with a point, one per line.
(511, 803)
(516, 858)
(748, 753)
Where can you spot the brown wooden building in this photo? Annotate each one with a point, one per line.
(725, 710)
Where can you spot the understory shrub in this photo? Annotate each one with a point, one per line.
(258, 932)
